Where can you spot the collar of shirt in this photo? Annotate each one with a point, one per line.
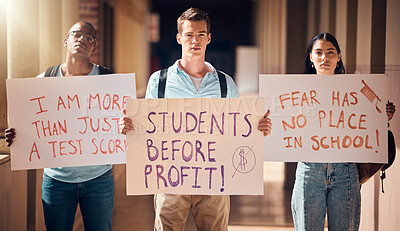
(95, 70)
(175, 69)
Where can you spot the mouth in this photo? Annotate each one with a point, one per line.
(82, 45)
(195, 48)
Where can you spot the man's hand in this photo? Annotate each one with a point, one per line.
(390, 110)
(125, 123)
(10, 135)
(265, 125)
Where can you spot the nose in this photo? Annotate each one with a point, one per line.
(195, 39)
(82, 39)
(324, 57)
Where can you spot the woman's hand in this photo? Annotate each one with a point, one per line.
(390, 110)
(265, 125)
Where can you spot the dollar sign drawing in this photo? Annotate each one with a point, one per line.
(243, 160)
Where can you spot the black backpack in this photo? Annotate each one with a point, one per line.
(367, 170)
(163, 80)
(52, 71)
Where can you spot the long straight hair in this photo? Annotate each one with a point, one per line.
(309, 69)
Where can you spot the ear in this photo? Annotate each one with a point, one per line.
(65, 42)
(209, 38)
(310, 57)
(178, 38)
(94, 48)
(339, 57)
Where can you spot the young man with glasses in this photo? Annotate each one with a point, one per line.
(92, 187)
(192, 77)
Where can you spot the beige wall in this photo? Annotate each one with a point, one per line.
(389, 202)
(69, 16)
(131, 47)
(50, 45)
(271, 36)
(3, 72)
(364, 27)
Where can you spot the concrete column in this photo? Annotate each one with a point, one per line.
(23, 61)
(364, 28)
(23, 38)
(341, 27)
(389, 203)
(51, 40)
(327, 14)
(69, 16)
(363, 65)
(346, 32)
(132, 50)
(3, 73)
(272, 36)
(313, 21)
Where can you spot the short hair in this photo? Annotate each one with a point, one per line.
(89, 24)
(309, 69)
(193, 14)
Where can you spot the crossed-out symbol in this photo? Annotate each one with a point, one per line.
(243, 160)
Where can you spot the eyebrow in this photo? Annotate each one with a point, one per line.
(203, 31)
(319, 49)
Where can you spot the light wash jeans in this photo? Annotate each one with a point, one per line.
(322, 188)
(95, 198)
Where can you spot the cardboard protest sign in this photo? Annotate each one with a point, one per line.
(68, 121)
(333, 118)
(195, 146)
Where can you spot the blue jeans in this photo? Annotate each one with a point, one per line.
(95, 198)
(322, 188)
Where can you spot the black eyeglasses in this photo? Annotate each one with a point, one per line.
(77, 34)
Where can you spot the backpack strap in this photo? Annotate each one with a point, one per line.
(104, 70)
(222, 84)
(163, 80)
(52, 71)
(162, 83)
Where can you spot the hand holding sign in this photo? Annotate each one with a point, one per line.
(125, 123)
(390, 110)
(264, 124)
(10, 135)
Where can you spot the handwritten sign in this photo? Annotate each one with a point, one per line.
(68, 121)
(195, 146)
(318, 118)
